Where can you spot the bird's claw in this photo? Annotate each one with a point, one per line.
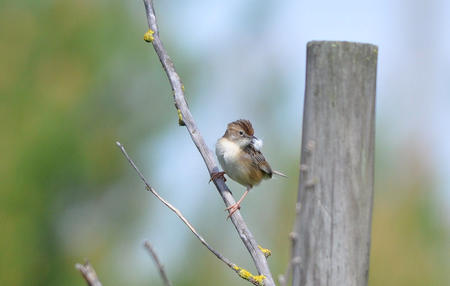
(217, 175)
(232, 209)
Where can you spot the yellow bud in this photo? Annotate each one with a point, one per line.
(148, 37)
(265, 251)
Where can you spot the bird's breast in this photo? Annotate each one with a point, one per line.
(227, 152)
(235, 164)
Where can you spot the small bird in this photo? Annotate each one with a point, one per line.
(238, 152)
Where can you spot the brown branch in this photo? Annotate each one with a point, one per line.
(88, 273)
(255, 279)
(185, 118)
(160, 267)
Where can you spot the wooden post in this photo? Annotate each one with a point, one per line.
(332, 228)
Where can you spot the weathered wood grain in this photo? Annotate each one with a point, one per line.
(333, 223)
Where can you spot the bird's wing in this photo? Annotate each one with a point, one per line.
(258, 160)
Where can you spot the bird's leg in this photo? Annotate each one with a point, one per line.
(233, 208)
(217, 175)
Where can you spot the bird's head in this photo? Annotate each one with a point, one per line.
(241, 132)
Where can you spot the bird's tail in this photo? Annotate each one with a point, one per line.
(279, 174)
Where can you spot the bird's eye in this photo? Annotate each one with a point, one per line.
(241, 133)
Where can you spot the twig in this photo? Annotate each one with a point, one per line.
(88, 273)
(185, 118)
(155, 258)
(295, 260)
(255, 279)
(283, 279)
(174, 209)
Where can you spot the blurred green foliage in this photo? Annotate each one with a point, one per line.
(63, 76)
(69, 75)
(410, 238)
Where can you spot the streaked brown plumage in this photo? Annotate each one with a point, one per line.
(239, 155)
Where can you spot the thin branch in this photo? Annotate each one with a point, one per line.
(174, 209)
(185, 118)
(293, 236)
(255, 279)
(283, 279)
(88, 273)
(160, 267)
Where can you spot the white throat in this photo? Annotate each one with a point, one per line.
(227, 148)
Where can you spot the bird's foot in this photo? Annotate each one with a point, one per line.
(217, 175)
(232, 209)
